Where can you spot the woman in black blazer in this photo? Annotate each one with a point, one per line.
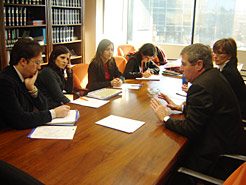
(51, 80)
(102, 71)
(225, 55)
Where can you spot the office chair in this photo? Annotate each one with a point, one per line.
(243, 73)
(125, 49)
(238, 177)
(121, 63)
(80, 78)
(10, 175)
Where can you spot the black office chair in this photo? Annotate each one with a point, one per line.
(243, 73)
(10, 175)
(239, 172)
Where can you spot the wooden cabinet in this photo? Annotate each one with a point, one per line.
(52, 23)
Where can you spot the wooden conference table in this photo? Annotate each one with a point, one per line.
(98, 155)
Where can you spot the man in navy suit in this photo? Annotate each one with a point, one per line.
(212, 115)
(22, 105)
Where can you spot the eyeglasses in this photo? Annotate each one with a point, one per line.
(37, 62)
(218, 53)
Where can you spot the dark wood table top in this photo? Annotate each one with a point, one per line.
(99, 155)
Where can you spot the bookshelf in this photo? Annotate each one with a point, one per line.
(51, 22)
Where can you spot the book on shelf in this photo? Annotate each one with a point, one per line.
(65, 16)
(15, 16)
(4, 16)
(63, 34)
(74, 3)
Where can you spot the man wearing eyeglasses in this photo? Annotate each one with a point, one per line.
(22, 105)
(212, 116)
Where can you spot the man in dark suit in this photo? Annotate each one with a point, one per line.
(212, 115)
(22, 105)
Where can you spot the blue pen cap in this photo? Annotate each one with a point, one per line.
(183, 80)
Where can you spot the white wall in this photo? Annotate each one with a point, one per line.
(90, 30)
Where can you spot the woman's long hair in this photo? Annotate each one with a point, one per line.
(147, 49)
(102, 46)
(59, 50)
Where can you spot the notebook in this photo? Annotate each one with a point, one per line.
(104, 93)
(69, 120)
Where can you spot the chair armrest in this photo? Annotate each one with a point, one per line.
(234, 156)
(78, 89)
(200, 176)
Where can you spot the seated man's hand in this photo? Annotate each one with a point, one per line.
(158, 109)
(185, 88)
(29, 82)
(170, 103)
(62, 111)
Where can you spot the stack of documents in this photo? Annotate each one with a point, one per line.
(62, 128)
(104, 93)
(53, 132)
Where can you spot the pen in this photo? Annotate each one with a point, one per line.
(180, 94)
(82, 98)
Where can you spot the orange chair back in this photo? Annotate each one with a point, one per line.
(80, 75)
(121, 63)
(123, 50)
(238, 177)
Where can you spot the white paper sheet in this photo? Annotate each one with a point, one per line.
(120, 123)
(92, 102)
(53, 132)
(152, 78)
(129, 86)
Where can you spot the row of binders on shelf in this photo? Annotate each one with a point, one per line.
(15, 16)
(63, 34)
(38, 2)
(65, 16)
(71, 3)
(12, 35)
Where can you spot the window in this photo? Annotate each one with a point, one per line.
(160, 21)
(171, 21)
(216, 19)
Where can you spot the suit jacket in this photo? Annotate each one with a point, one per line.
(235, 79)
(96, 74)
(212, 121)
(17, 105)
(133, 67)
(52, 86)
